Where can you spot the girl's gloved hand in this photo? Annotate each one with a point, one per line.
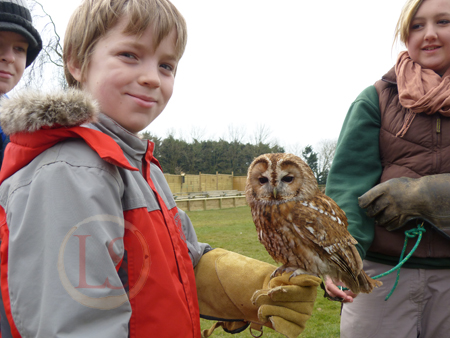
(395, 202)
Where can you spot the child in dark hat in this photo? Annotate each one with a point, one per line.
(20, 44)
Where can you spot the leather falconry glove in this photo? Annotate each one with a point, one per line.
(399, 200)
(238, 291)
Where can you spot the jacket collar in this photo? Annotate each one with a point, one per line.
(133, 147)
(37, 120)
(31, 110)
(390, 76)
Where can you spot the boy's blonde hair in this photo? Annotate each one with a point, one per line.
(94, 18)
(410, 9)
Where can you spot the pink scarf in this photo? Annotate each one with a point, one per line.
(421, 90)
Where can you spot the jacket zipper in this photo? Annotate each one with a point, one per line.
(438, 165)
(438, 144)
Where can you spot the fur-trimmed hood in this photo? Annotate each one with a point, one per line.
(31, 110)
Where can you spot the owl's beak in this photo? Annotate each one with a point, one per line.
(275, 192)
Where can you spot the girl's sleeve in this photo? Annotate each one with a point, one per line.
(66, 228)
(356, 166)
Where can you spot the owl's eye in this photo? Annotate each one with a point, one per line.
(287, 179)
(263, 180)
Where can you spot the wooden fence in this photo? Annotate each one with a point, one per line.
(239, 183)
(185, 184)
(211, 203)
(206, 191)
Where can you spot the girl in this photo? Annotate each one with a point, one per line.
(400, 128)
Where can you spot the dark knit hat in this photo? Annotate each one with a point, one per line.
(16, 17)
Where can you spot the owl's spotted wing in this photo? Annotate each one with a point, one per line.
(322, 225)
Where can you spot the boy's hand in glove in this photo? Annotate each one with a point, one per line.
(238, 291)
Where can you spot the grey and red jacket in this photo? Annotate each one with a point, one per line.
(92, 243)
(369, 152)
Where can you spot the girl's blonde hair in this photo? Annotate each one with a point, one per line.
(94, 18)
(404, 22)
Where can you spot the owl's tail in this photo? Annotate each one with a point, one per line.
(366, 284)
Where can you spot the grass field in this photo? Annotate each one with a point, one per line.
(233, 229)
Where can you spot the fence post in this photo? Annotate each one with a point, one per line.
(182, 180)
(232, 180)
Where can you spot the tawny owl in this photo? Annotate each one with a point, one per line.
(301, 227)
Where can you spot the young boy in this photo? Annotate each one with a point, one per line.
(20, 44)
(93, 244)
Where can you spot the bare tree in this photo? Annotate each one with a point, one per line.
(261, 134)
(295, 149)
(236, 134)
(197, 133)
(171, 133)
(48, 66)
(325, 152)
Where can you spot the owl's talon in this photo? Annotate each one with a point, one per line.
(298, 272)
(277, 272)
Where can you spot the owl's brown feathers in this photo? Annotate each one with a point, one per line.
(299, 226)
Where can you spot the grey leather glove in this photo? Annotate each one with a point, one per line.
(399, 200)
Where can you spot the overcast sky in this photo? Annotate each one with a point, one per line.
(294, 66)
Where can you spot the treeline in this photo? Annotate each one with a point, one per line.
(207, 157)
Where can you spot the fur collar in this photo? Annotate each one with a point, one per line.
(31, 110)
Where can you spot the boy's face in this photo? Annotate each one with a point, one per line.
(13, 58)
(129, 78)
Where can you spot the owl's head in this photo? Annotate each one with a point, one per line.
(275, 178)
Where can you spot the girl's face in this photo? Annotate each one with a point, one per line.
(429, 36)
